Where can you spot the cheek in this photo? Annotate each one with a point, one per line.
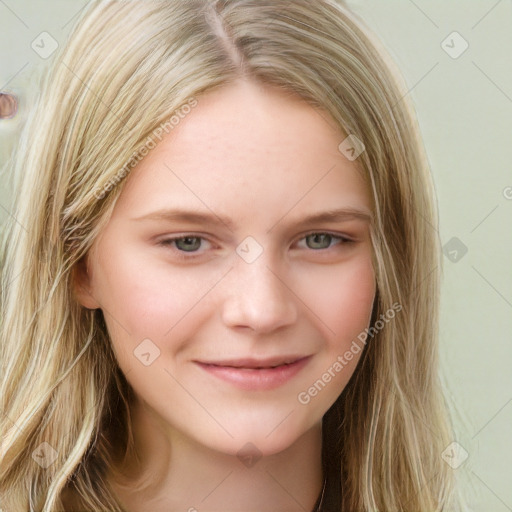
(356, 295)
(343, 305)
(142, 299)
(342, 298)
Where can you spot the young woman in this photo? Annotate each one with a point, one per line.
(220, 284)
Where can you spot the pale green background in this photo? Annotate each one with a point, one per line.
(464, 107)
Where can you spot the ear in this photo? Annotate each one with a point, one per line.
(81, 283)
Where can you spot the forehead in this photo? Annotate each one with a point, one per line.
(247, 145)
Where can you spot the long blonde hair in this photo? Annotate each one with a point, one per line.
(126, 69)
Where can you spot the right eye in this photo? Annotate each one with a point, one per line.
(186, 246)
(184, 243)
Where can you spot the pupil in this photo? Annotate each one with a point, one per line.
(323, 237)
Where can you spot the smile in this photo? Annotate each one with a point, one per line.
(252, 374)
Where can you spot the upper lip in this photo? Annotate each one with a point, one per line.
(251, 362)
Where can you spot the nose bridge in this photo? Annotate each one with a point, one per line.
(257, 296)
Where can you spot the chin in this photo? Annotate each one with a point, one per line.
(260, 439)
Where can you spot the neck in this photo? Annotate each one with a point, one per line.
(198, 478)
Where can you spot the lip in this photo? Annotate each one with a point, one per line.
(256, 374)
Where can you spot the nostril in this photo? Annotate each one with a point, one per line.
(8, 105)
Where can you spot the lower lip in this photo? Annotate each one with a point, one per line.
(256, 379)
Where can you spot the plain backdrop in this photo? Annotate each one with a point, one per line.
(456, 58)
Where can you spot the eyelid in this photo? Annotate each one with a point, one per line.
(345, 238)
(168, 240)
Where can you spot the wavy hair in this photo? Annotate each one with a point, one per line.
(125, 70)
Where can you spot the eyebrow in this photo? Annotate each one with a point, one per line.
(195, 217)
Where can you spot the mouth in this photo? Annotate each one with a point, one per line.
(255, 364)
(256, 374)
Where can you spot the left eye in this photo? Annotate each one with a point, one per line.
(322, 240)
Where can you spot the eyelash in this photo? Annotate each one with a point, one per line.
(343, 240)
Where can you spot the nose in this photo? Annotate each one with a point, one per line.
(258, 297)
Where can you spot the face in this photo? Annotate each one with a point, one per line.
(236, 272)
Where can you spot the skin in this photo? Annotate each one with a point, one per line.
(263, 159)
